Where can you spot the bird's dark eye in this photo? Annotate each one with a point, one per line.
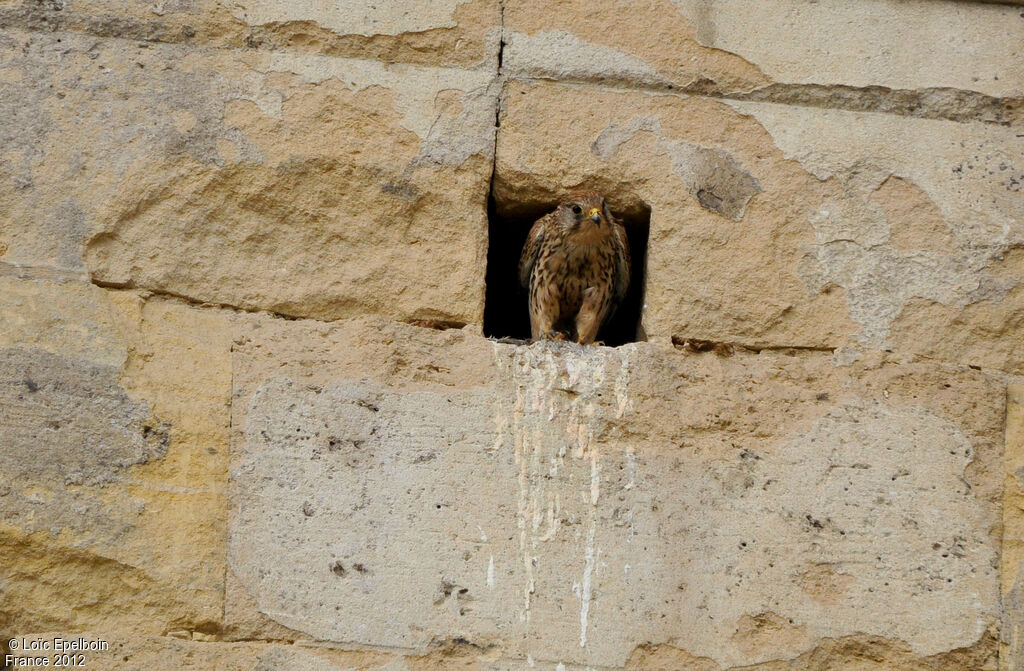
(576, 209)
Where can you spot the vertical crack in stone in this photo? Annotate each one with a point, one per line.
(498, 83)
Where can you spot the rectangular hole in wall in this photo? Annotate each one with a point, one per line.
(506, 314)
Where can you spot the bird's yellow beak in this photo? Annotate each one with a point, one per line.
(594, 215)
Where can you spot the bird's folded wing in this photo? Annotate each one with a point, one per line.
(531, 250)
(622, 263)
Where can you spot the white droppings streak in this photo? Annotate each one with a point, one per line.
(558, 400)
(630, 468)
(490, 573)
(500, 428)
(553, 519)
(586, 593)
(622, 383)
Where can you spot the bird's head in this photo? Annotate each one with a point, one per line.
(584, 208)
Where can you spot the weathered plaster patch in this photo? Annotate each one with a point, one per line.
(69, 229)
(867, 451)
(152, 102)
(334, 171)
(880, 281)
(556, 54)
(853, 251)
(82, 432)
(958, 173)
(294, 659)
(352, 17)
(712, 175)
(914, 220)
(153, 113)
(864, 43)
(26, 120)
(449, 133)
(347, 466)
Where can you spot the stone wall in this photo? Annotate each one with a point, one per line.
(249, 419)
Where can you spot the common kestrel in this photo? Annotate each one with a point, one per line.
(576, 265)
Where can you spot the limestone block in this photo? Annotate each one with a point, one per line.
(568, 505)
(733, 46)
(461, 33)
(888, 43)
(782, 226)
(650, 45)
(946, 283)
(113, 443)
(304, 185)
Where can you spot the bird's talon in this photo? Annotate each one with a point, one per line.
(553, 335)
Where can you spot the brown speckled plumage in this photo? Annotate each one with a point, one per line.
(575, 264)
